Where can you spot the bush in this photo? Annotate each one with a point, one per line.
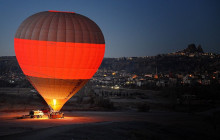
(143, 107)
(105, 103)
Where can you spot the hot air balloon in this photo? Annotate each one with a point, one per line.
(58, 52)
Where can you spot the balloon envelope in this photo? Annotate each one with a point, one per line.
(59, 52)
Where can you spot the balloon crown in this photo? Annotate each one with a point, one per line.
(60, 11)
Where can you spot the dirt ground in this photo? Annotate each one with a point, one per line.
(110, 125)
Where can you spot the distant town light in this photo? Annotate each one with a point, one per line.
(134, 76)
(116, 87)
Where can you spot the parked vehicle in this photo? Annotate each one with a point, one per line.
(36, 114)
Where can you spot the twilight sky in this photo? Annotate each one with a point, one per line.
(130, 27)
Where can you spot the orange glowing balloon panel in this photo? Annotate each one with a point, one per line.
(59, 52)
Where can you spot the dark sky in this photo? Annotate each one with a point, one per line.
(130, 27)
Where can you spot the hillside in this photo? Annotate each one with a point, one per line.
(189, 60)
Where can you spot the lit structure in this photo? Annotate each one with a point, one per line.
(59, 52)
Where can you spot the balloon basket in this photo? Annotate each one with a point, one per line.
(56, 115)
